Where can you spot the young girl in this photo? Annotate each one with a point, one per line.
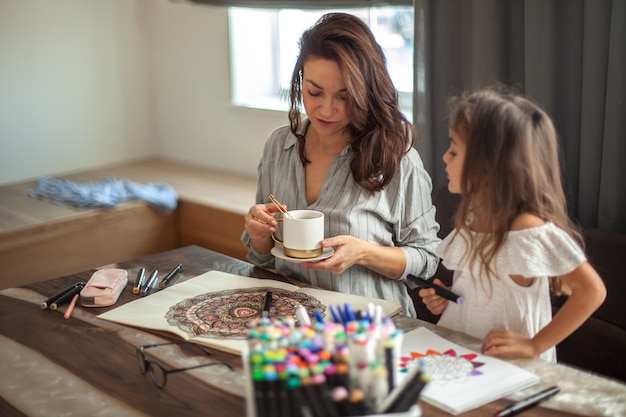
(513, 241)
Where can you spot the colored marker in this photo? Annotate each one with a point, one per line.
(378, 388)
(371, 310)
(378, 315)
(272, 383)
(297, 403)
(349, 313)
(141, 275)
(260, 398)
(356, 402)
(170, 275)
(310, 395)
(302, 315)
(527, 403)
(439, 290)
(318, 316)
(390, 365)
(70, 309)
(335, 314)
(339, 395)
(320, 389)
(150, 284)
(46, 304)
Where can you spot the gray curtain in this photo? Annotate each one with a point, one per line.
(568, 55)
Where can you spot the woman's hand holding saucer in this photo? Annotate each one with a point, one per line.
(347, 253)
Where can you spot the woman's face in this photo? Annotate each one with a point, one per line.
(324, 96)
(454, 159)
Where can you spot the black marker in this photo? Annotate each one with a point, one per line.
(406, 394)
(527, 403)
(440, 291)
(67, 297)
(46, 304)
(170, 275)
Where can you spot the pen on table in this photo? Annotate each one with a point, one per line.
(441, 291)
(527, 402)
(65, 298)
(170, 275)
(46, 304)
(267, 305)
(141, 274)
(70, 309)
(150, 284)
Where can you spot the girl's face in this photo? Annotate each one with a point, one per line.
(324, 96)
(454, 159)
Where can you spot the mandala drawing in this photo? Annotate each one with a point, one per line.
(225, 314)
(443, 367)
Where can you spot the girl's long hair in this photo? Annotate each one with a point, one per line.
(511, 167)
(380, 133)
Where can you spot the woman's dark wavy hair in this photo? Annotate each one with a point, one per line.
(380, 134)
(511, 167)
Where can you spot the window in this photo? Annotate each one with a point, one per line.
(262, 59)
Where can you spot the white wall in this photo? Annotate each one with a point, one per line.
(85, 83)
(195, 119)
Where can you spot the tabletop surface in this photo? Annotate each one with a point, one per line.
(84, 365)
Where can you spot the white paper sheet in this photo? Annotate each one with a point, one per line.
(462, 379)
(149, 312)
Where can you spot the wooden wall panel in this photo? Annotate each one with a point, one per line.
(94, 237)
(212, 228)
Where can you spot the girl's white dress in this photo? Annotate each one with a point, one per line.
(536, 253)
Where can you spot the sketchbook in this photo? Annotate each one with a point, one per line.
(214, 308)
(460, 379)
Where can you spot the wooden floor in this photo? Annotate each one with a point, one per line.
(41, 240)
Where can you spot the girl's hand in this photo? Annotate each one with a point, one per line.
(348, 251)
(260, 223)
(507, 344)
(434, 303)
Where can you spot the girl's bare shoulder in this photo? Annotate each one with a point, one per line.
(527, 221)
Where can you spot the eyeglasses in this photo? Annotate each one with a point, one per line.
(158, 373)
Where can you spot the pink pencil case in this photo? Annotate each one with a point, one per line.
(104, 287)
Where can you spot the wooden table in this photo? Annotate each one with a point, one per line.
(85, 366)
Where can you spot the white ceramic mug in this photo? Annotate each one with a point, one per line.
(302, 233)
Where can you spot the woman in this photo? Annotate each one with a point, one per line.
(352, 159)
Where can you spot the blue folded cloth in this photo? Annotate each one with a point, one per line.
(105, 193)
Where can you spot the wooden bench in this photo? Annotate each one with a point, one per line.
(41, 240)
